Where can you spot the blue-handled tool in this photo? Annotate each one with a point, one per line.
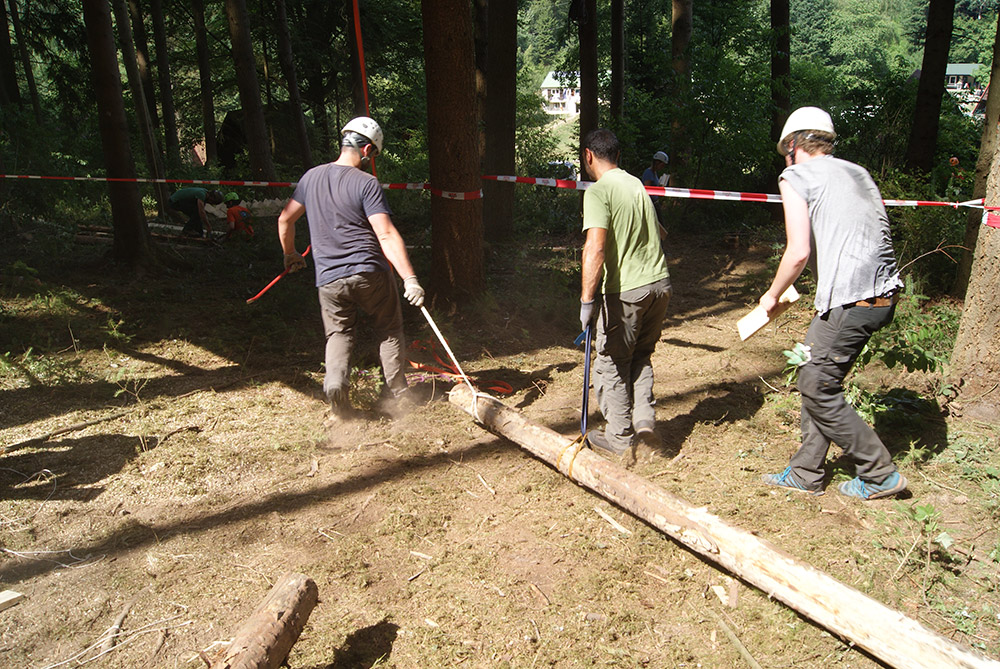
(585, 337)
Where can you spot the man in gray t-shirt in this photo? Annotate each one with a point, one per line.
(354, 247)
(835, 221)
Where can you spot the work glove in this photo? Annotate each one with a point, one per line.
(587, 313)
(294, 262)
(412, 291)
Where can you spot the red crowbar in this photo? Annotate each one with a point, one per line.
(276, 279)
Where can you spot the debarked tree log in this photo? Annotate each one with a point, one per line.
(267, 636)
(887, 634)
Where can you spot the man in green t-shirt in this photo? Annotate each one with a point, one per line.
(191, 203)
(626, 288)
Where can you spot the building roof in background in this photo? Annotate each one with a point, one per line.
(552, 80)
(960, 69)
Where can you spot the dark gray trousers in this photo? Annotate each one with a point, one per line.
(376, 294)
(836, 339)
(628, 328)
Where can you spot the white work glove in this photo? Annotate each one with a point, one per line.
(294, 262)
(412, 291)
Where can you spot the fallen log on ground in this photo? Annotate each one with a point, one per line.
(855, 617)
(267, 636)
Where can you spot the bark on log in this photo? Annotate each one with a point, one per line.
(887, 634)
(267, 636)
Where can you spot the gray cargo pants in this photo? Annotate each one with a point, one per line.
(836, 338)
(376, 294)
(628, 328)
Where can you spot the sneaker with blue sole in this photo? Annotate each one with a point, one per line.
(786, 480)
(894, 484)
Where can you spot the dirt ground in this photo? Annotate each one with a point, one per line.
(210, 473)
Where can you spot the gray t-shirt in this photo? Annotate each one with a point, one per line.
(338, 201)
(852, 254)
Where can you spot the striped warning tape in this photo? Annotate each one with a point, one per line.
(685, 193)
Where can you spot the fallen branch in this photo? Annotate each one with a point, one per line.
(116, 626)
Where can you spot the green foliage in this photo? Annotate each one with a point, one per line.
(917, 340)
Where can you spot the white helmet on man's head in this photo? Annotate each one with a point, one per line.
(662, 157)
(366, 127)
(805, 118)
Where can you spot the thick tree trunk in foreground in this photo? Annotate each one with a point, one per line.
(679, 41)
(267, 636)
(976, 358)
(133, 244)
(457, 225)
(987, 147)
(617, 60)
(781, 69)
(887, 634)
(205, 82)
(500, 114)
(927, 112)
(587, 31)
(142, 58)
(258, 143)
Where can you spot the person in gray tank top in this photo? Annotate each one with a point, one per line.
(835, 221)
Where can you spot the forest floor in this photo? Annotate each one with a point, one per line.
(434, 543)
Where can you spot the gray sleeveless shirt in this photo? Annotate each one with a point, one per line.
(852, 256)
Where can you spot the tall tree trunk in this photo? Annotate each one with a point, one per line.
(927, 112)
(457, 225)
(501, 110)
(170, 142)
(680, 38)
(781, 69)
(205, 82)
(133, 244)
(358, 100)
(258, 145)
(142, 58)
(288, 70)
(976, 358)
(587, 31)
(481, 11)
(9, 92)
(617, 59)
(29, 73)
(153, 158)
(987, 147)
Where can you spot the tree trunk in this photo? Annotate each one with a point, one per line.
(781, 69)
(132, 243)
(267, 636)
(258, 145)
(205, 82)
(359, 97)
(142, 58)
(149, 145)
(501, 108)
(881, 631)
(587, 31)
(680, 38)
(170, 142)
(288, 70)
(975, 360)
(987, 147)
(481, 11)
(9, 92)
(927, 112)
(617, 60)
(457, 225)
(29, 73)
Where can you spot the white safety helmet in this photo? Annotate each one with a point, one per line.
(367, 128)
(805, 118)
(662, 157)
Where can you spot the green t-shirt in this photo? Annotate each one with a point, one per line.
(633, 256)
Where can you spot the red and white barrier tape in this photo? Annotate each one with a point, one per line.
(991, 220)
(686, 193)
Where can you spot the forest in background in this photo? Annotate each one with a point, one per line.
(857, 58)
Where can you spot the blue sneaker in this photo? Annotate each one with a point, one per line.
(893, 484)
(786, 480)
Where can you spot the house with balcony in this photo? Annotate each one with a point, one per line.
(560, 93)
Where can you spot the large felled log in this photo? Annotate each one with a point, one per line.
(267, 636)
(850, 614)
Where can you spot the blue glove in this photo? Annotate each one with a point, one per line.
(587, 313)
